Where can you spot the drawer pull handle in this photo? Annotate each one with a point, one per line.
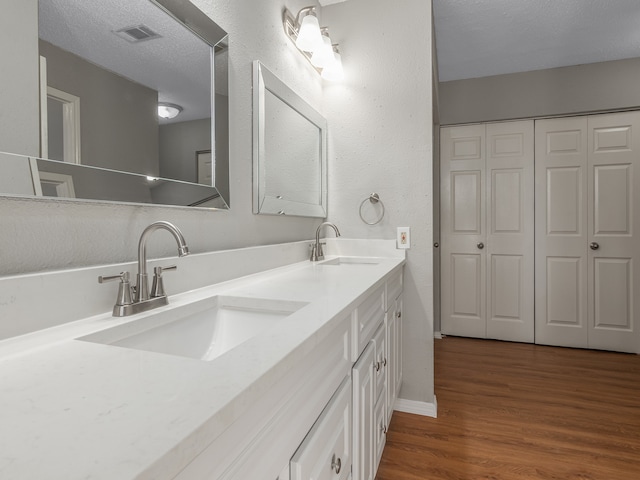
(336, 464)
(399, 315)
(384, 362)
(383, 428)
(377, 365)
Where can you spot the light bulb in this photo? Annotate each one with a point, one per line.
(168, 110)
(334, 71)
(309, 36)
(323, 56)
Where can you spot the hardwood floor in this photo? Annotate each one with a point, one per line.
(520, 411)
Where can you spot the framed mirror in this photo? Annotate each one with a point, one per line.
(289, 150)
(106, 67)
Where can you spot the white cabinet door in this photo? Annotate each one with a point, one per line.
(381, 367)
(363, 388)
(380, 364)
(487, 234)
(394, 355)
(379, 430)
(325, 453)
(398, 347)
(390, 324)
(586, 189)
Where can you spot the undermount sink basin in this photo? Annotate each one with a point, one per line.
(352, 261)
(203, 330)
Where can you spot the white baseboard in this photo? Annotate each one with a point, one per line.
(418, 408)
(437, 335)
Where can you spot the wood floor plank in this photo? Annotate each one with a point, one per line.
(510, 411)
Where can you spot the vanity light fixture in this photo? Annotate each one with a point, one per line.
(309, 37)
(314, 42)
(323, 55)
(334, 71)
(168, 110)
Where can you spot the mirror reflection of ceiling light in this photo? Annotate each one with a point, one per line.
(168, 110)
(314, 43)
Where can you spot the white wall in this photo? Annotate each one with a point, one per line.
(380, 140)
(43, 235)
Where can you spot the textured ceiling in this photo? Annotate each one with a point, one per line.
(479, 38)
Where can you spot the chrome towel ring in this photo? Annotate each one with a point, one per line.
(374, 198)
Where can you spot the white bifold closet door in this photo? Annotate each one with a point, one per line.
(587, 207)
(487, 220)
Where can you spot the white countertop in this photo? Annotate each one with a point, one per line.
(72, 409)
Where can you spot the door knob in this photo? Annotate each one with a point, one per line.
(594, 246)
(480, 245)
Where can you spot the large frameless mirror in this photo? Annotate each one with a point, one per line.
(289, 150)
(105, 67)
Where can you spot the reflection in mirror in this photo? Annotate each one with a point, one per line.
(50, 178)
(289, 163)
(104, 68)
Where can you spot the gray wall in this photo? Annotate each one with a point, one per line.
(380, 140)
(179, 143)
(119, 118)
(557, 91)
(19, 98)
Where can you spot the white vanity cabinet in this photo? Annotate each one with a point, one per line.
(376, 374)
(325, 453)
(328, 417)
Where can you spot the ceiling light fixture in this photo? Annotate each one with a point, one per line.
(168, 110)
(314, 42)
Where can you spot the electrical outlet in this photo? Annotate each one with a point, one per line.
(403, 238)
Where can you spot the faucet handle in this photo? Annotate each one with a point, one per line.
(124, 289)
(157, 287)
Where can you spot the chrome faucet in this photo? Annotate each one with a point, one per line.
(316, 249)
(142, 280)
(142, 301)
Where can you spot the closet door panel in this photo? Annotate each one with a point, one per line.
(614, 190)
(565, 284)
(462, 179)
(561, 232)
(509, 240)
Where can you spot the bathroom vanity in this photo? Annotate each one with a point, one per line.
(299, 383)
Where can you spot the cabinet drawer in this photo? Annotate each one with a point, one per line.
(325, 453)
(393, 290)
(366, 318)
